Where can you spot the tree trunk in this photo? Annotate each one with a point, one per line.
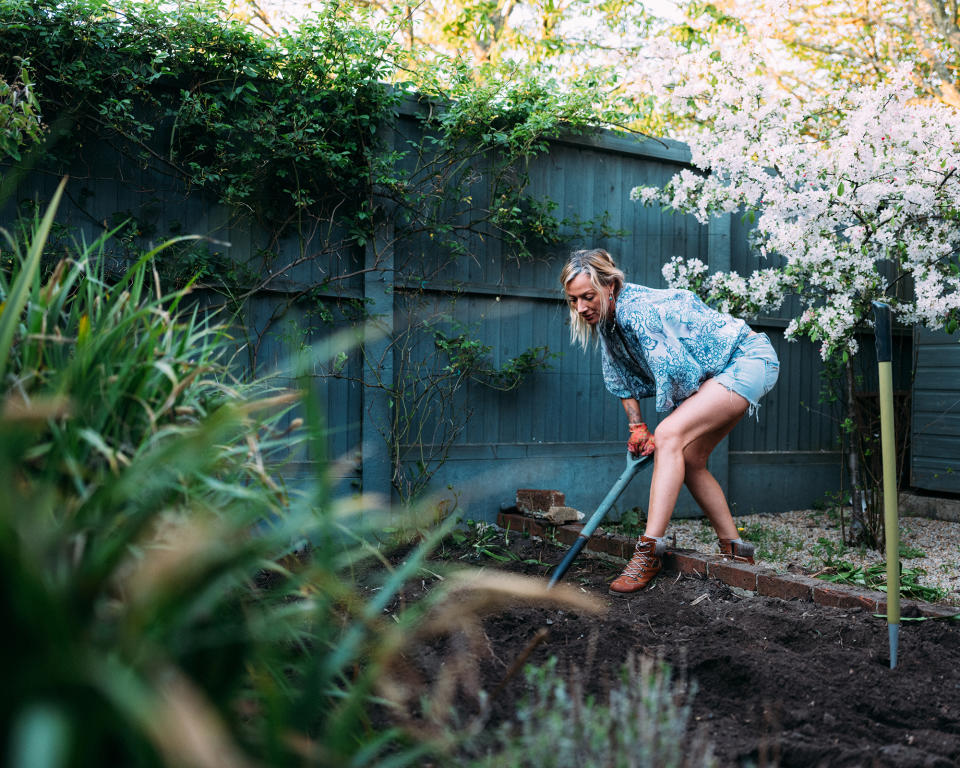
(858, 499)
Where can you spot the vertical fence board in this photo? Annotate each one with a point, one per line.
(559, 428)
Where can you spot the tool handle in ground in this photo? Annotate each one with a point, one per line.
(634, 463)
(882, 336)
(891, 522)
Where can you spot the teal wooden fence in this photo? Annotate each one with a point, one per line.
(935, 420)
(559, 428)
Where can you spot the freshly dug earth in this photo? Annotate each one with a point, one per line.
(778, 682)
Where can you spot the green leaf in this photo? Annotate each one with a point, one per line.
(19, 291)
(40, 738)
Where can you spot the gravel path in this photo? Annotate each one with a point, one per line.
(803, 537)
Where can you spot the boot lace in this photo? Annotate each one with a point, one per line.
(640, 563)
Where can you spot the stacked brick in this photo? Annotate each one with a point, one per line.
(548, 506)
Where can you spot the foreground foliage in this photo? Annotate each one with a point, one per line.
(136, 479)
(642, 723)
(169, 601)
(139, 527)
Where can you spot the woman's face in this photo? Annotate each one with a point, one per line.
(586, 300)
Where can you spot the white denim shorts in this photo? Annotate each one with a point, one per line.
(752, 371)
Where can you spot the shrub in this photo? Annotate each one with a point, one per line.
(150, 565)
(643, 723)
(166, 600)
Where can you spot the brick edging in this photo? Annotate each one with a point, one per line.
(756, 578)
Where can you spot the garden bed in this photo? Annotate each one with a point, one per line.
(777, 682)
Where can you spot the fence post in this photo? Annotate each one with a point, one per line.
(718, 260)
(378, 282)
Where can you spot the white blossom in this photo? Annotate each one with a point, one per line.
(849, 210)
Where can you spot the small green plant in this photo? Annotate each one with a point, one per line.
(907, 552)
(829, 552)
(641, 723)
(631, 522)
(875, 577)
(836, 569)
(829, 508)
(480, 540)
(772, 543)
(705, 533)
(484, 540)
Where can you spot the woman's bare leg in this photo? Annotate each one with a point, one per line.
(685, 438)
(703, 486)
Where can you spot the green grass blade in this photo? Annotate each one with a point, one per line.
(20, 290)
(41, 738)
(350, 643)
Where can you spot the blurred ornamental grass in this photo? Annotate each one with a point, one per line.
(643, 722)
(166, 599)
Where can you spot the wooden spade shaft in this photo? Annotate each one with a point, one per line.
(633, 464)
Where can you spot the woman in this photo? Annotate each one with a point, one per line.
(705, 368)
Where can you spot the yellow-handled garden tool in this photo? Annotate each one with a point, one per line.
(891, 522)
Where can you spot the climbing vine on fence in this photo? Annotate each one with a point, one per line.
(297, 136)
(268, 126)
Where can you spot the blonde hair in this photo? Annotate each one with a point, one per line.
(603, 273)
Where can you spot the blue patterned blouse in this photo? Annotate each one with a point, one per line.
(665, 342)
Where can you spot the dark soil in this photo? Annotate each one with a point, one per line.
(778, 682)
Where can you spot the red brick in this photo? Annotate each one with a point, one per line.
(937, 611)
(734, 574)
(916, 608)
(832, 597)
(785, 586)
(533, 501)
(869, 601)
(520, 524)
(616, 546)
(627, 545)
(688, 563)
(604, 544)
(629, 542)
(845, 597)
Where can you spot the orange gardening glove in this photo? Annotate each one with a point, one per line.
(641, 441)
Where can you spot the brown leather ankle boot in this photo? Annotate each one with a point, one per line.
(643, 566)
(738, 550)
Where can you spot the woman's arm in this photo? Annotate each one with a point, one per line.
(632, 408)
(641, 441)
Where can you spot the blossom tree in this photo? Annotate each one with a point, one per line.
(823, 43)
(854, 200)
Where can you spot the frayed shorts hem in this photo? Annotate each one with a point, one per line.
(752, 371)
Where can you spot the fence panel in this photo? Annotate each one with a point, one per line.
(559, 428)
(935, 419)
